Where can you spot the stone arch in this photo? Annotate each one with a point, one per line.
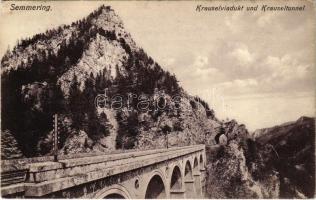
(189, 180)
(176, 178)
(156, 187)
(114, 196)
(195, 165)
(188, 174)
(114, 192)
(197, 177)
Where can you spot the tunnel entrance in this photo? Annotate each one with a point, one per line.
(217, 138)
(176, 181)
(114, 196)
(156, 188)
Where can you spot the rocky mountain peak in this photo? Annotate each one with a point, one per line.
(109, 21)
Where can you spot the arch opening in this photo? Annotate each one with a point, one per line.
(176, 179)
(156, 188)
(195, 165)
(188, 171)
(114, 196)
(115, 192)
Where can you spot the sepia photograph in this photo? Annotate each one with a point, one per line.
(158, 99)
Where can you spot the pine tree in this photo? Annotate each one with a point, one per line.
(9, 146)
(75, 103)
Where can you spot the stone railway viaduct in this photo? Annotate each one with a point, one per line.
(177, 172)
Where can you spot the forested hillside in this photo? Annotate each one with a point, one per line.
(64, 69)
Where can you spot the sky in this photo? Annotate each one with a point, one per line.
(255, 67)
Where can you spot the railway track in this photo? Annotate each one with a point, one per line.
(13, 177)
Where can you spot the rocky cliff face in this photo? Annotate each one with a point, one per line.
(278, 163)
(230, 174)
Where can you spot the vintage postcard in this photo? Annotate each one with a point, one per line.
(158, 99)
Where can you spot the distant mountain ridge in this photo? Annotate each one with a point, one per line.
(293, 156)
(263, 136)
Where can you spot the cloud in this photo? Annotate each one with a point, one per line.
(200, 62)
(242, 55)
(232, 22)
(287, 68)
(204, 72)
(266, 19)
(168, 61)
(237, 86)
(271, 74)
(200, 69)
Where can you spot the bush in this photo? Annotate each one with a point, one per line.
(177, 126)
(193, 104)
